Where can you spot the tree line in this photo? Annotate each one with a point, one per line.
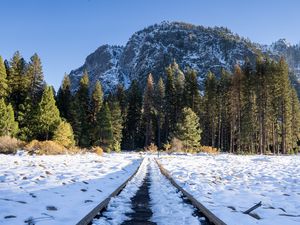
(255, 109)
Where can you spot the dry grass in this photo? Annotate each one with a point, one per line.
(98, 150)
(176, 145)
(45, 148)
(151, 148)
(9, 145)
(209, 149)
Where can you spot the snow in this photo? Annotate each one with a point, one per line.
(229, 185)
(121, 204)
(63, 189)
(59, 189)
(165, 200)
(167, 204)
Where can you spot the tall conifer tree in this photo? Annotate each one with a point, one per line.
(48, 117)
(3, 80)
(148, 110)
(131, 133)
(64, 98)
(159, 105)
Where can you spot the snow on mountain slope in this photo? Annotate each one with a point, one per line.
(155, 47)
(102, 65)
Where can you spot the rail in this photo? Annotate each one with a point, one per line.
(212, 218)
(102, 205)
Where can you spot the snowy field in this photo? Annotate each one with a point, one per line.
(58, 189)
(229, 185)
(61, 190)
(166, 203)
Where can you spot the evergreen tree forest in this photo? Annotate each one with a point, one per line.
(254, 109)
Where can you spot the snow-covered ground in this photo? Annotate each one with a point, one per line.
(229, 185)
(121, 204)
(166, 202)
(58, 189)
(63, 189)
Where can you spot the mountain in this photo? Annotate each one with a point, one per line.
(155, 47)
(282, 48)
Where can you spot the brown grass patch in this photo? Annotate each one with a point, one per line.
(9, 145)
(45, 148)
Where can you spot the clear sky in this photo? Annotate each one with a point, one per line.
(64, 32)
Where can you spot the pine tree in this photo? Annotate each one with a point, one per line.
(263, 102)
(235, 110)
(170, 101)
(75, 118)
(48, 117)
(64, 98)
(248, 114)
(159, 105)
(27, 120)
(36, 77)
(18, 81)
(148, 110)
(131, 130)
(285, 107)
(191, 91)
(96, 101)
(96, 104)
(210, 103)
(179, 84)
(117, 125)
(3, 80)
(8, 125)
(64, 135)
(83, 100)
(188, 130)
(223, 111)
(121, 98)
(105, 130)
(295, 123)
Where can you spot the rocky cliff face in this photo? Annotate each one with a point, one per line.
(155, 47)
(291, 53)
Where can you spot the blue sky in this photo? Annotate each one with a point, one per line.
(64, 32)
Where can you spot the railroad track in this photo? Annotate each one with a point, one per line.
(140, 203)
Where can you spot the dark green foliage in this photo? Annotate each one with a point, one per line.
(18, 81)
(27, 118)
(148, 110)
(96, 105)
(8, 125)
(48, 117)
(36, 78)
(131, 132)
(81, 108)
(64, 98)
(159, 112)
(188, 130)
(96, 101)
(171, 115)
(191, 91)
(253, 110)
(210, 105)
(121, 98)
(223, 107)
(117, 125)
(3, 80)
(64, 135)
(105, 130)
